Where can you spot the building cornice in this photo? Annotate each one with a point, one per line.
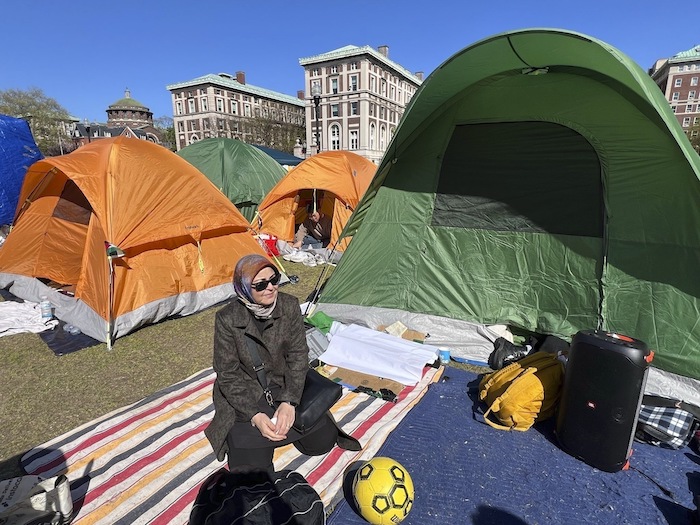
(351, 51)
(685, 56)
(230, 83)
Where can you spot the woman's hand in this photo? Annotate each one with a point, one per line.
(267, 427)
(284, 415)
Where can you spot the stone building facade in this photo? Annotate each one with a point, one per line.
(223, 105)
(360, 97)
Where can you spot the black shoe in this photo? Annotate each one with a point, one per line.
(505, 353)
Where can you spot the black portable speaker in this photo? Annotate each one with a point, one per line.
(601, 396)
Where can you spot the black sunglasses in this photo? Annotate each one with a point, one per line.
(261, 285)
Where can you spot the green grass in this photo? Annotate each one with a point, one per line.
(44, 396)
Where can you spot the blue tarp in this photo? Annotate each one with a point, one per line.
(18, 151)
(284, 158)
(466, 472)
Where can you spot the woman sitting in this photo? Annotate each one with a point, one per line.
(244, 426)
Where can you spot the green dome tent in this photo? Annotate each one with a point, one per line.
(537, 179)
(242, 172)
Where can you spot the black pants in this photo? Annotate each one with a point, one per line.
(320, 440)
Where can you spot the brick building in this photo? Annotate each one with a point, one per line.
(678, 77)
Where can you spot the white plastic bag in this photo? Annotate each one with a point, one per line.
(34, 499)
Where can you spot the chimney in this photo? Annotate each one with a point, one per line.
(240, 77)
(384, 50)
(300, 94)
(419, 74)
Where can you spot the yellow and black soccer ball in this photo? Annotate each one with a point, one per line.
(383, 491)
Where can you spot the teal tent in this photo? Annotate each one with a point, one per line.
(242, 172)
(538, 179)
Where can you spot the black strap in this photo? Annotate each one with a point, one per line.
(659, 401)
(259, 368)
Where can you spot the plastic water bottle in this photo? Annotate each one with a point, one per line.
(46, 309)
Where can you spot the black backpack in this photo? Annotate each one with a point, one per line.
(257, 498)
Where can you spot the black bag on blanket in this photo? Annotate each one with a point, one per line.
(257, 498)
(319, 395)
(665, 422)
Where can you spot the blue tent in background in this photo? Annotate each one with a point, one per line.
(18, 151)
(284, 158)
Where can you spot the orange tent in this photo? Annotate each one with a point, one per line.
(121, 233)
(336, 179)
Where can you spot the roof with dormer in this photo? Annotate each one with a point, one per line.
(351, 51)
(227, 81)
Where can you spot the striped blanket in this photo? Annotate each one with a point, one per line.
(145, 463)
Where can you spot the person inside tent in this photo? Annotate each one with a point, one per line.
(245, 427)
(316, 228)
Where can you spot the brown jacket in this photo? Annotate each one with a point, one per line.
(283, 350)
(320, 230)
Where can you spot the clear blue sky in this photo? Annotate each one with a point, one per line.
(84, 54)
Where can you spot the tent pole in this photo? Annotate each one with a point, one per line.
(109, 307)
(317, 290)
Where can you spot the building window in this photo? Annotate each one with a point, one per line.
(373, 84)
(190, 105)
(334, 86)
(686, 122)
(246, 110)
(353, 82)
(334, 70)
(678, 82)
(220, 105)
(316, 86)
(334, 110)
(353, 108)
(382, 138)
(178, 108)
(315, 72)
(353, 66)
(694, 81)
(383, 92)
(676, 96)
(203, 104)
(381, 112)
(393, 92)
(234, 107)
(689, 108)
(335, 137)
(372, 133)
(696, 121)
(181, 126)
(691, 95)
(354, 139)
